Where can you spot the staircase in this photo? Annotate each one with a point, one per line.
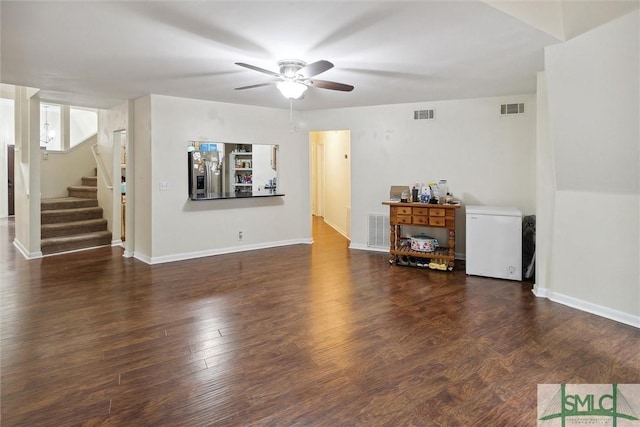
(74, 222)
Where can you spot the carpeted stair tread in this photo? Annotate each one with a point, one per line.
(73, 227)
(76, 237)
(74, 222)
(85, 191)
(57, 203)
(90, 181)
(84, 188)
(78, 241)
(69, 215)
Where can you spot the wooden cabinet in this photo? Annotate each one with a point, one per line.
(422, 215)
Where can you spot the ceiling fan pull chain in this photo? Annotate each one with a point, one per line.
(290, 115)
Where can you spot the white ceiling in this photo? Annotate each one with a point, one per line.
(100, 53)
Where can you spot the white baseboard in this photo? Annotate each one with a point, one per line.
(362, 247)
(598, 310)
(25, 253)
(335, 227)
(221, 251)
(141, 257)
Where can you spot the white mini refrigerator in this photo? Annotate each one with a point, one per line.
(494, 242)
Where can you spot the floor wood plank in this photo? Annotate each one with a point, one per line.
(313, 335)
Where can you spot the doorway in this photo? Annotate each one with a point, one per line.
(11, 180)
(121, 206)
(330, 159)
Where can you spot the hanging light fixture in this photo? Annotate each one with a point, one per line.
(291, 89)
(48, 134)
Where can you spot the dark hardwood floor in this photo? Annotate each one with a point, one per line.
(305, 335)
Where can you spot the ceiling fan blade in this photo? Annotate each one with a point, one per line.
(258, 85)
(258, 69)
(315, 68)
(324, 84)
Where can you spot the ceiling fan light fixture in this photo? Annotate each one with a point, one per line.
(295, 77)
(291, 89)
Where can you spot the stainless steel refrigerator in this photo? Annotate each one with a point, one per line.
(206, 170)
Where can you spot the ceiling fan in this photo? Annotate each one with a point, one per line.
(296, 76)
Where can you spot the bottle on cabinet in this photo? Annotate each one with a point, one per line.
(443, 190)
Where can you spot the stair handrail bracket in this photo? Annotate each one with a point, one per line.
(106, 180)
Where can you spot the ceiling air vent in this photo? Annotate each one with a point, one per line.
(424, 115)
(506, 109)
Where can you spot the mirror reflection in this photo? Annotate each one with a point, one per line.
(228, 170)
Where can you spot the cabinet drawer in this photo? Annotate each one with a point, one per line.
(403, 219)
(420, 220)
(436, 221)
(403, 210)
(420, 211)
(436, 212)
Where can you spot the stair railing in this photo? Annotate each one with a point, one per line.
(106, 179)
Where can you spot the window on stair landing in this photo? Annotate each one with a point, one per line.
(79, 124)
(83, 124)
(50, 126)
(7, 123)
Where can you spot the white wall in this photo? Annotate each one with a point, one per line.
(27, 172)
(60, 169)
(593, 99)
(487, 159)
(545, 186)
(180, 228)
(82, 124)
(316, 168)
(143, 214)
(593, 93)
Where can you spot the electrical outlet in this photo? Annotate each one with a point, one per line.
(240, 235)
